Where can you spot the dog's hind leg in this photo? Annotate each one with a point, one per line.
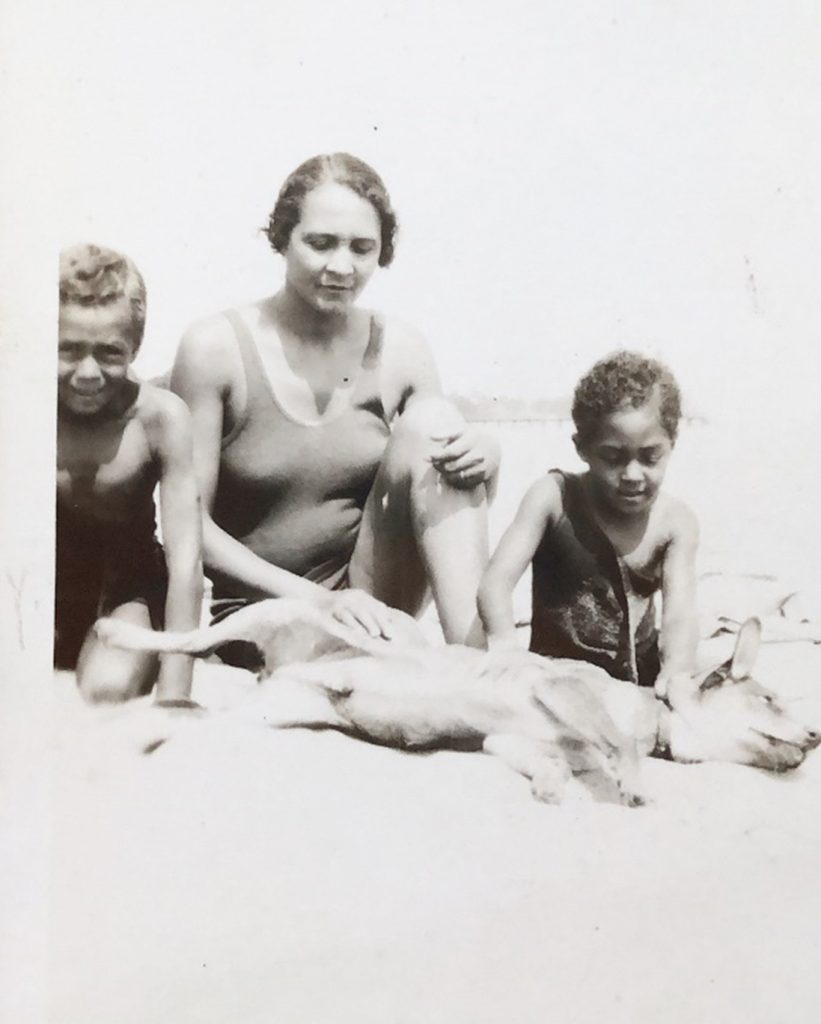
(542, 763)
(288, 703)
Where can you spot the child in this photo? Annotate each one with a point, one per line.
(604, 541)
(116, 439)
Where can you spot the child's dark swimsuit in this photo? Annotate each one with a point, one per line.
(581, 607)
(100, 566)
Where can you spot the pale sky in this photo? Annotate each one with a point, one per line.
(570, 178)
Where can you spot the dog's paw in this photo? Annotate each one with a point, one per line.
(628, 799)
(549, 782)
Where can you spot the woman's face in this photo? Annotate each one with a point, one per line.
(334, 248)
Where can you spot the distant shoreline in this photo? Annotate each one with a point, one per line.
(505, 409)
(488, 409)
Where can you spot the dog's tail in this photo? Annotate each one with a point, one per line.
(117, 633)
(291, 629)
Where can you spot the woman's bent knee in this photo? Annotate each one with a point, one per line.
(419, 435)
(429, 419)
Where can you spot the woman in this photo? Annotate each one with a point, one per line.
(330, 466)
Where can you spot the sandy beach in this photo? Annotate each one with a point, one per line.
(245, 874)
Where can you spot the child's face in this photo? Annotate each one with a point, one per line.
(94, 356)
(628, 458)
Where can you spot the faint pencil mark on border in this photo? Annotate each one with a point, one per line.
(17, 584)
(752, 286)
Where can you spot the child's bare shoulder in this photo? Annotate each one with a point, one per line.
(164, 416)
(676, 520)
(543, 498)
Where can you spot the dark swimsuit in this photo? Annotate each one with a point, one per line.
(294, 492)
(580, 595)
(100, 566)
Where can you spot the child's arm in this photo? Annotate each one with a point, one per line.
(679, 619)
(181, 521)
(512, 556)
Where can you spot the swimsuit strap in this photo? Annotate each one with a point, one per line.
(256, 374)
(251, 365)
(376, 338)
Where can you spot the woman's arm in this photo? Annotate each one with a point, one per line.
(207, 374)
(207, 370)
(512, 556)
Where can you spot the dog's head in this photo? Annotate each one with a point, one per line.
(726, 715)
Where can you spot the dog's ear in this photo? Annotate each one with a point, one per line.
(740, 665)
(717, 677)
(747, 644)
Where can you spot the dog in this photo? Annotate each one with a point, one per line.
(546, 718)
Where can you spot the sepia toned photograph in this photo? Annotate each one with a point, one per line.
(408, 549)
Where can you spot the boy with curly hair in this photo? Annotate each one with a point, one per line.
(604, 542)
(116, 440)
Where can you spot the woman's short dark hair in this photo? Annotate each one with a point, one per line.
(343, 169)
(625, 380)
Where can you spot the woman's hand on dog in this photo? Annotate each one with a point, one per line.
(359, 611)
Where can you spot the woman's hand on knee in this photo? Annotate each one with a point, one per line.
(359, 611)
(466, 459)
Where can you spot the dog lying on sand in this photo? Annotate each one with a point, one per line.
(546, 718)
